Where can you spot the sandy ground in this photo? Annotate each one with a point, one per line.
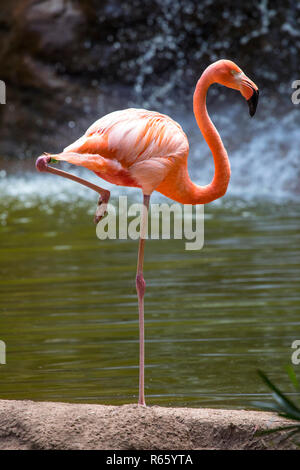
(44, 425)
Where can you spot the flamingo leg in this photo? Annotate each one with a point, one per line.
(42, 165)
(140, 287)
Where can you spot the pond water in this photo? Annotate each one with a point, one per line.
(212, 317)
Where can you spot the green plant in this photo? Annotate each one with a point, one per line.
(283, 406)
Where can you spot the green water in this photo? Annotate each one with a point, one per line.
(212, 317)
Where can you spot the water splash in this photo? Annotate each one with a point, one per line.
(264, 156)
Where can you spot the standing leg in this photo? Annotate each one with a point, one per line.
(140, 287)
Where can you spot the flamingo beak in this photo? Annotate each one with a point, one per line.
(252, 102)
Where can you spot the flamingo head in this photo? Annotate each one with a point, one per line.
(227, 73)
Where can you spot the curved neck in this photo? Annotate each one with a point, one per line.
(218, 186)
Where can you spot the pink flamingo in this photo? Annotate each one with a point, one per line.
(148, 150)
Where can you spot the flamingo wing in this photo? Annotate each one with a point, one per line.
(132, 147)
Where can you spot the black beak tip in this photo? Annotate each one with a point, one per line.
(252, 102)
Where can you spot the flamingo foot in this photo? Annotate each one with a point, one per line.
(42, 162)
(101, 210)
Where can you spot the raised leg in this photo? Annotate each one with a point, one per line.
(140, 287)
(42, 164)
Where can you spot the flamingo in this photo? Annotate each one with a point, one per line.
(148, 150)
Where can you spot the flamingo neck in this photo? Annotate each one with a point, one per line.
(218, 186)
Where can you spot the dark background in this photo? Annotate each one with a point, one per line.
(67, 62)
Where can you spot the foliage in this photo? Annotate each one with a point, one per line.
(283, 406)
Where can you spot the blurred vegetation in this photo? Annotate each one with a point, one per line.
(284, 407)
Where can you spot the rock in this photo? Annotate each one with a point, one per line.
(40, 426)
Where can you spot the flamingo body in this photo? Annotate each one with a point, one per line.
(148, 150)
(131, 147)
